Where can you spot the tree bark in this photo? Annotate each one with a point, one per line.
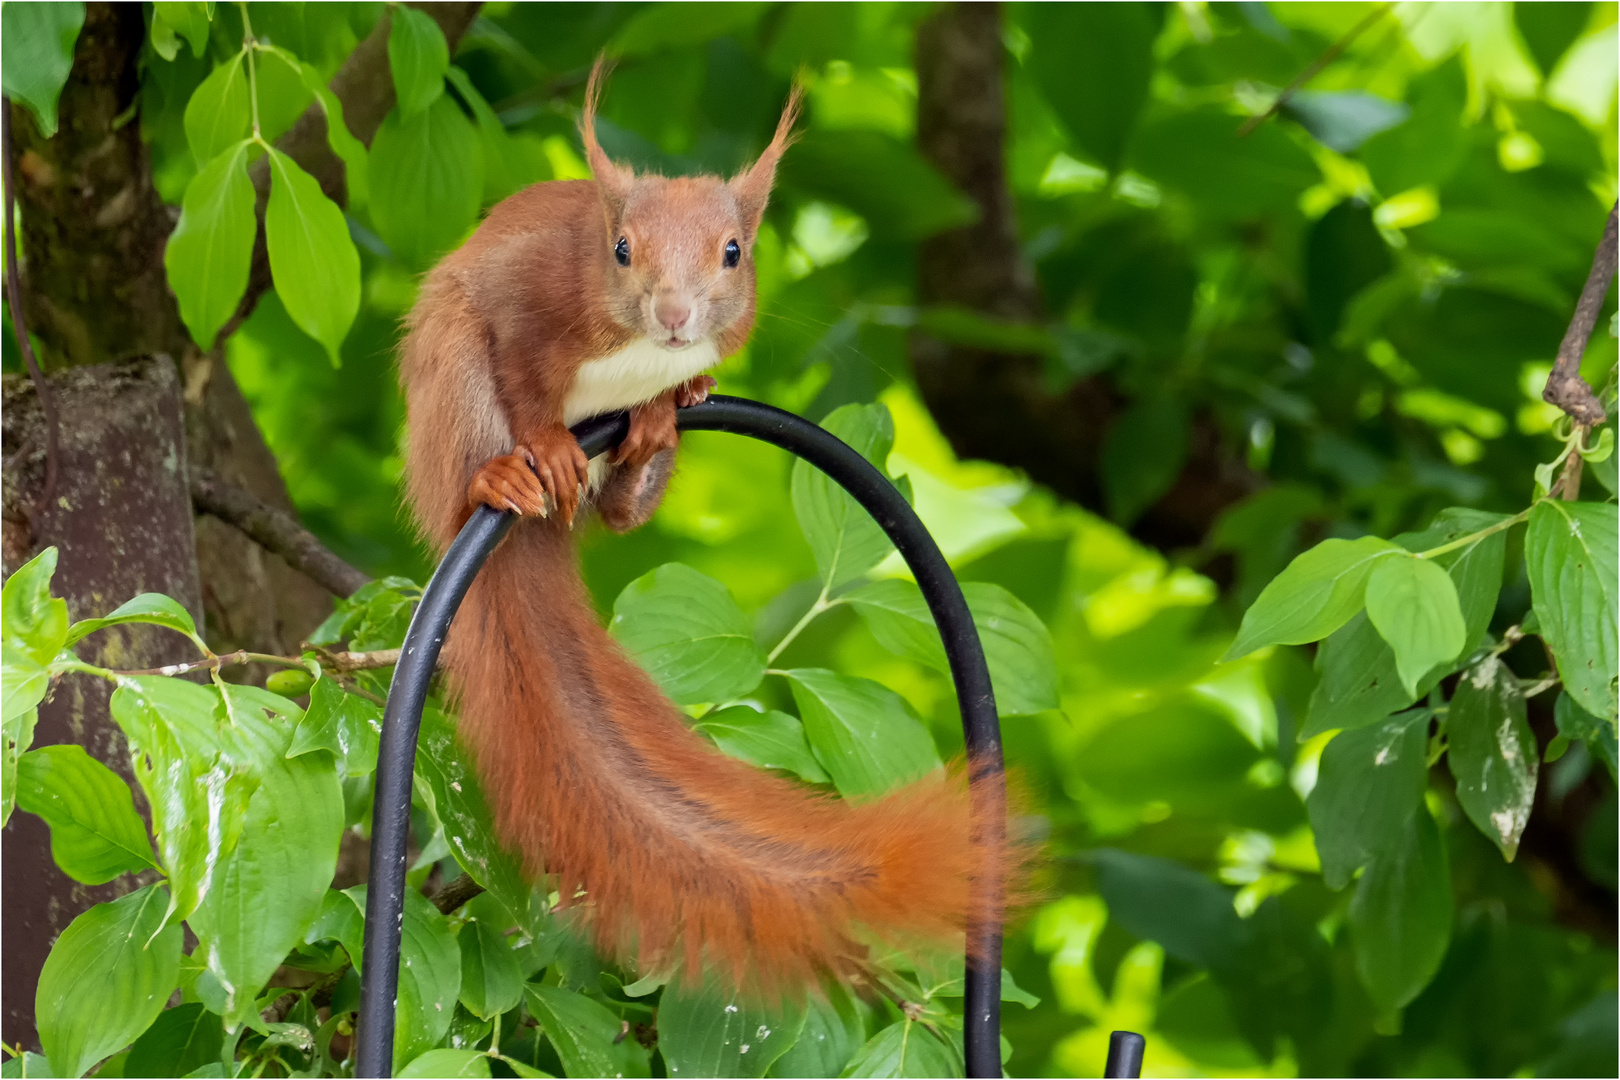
(122, 523)
(140, 405)
(997, 405)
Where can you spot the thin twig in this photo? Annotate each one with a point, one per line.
(241, 656)
(19, 322)
(276, 531)
(1565, 388)
(456, 893)
(1568, 485)
(356, 661)
(1328, 56)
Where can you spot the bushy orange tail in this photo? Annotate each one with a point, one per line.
(680, 858)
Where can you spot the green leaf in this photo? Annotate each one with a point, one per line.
(584, 1034)
(19, 736)
(1172, 904)
(684, 628)
(448, 1062)
(170, 22)
(346, 724)
(28, 1064)
(219, 114)
(263, 899)
(769, 739)
(886, 181)
(418, 56)
(1143, 455)
(864, 735)
(211, 249)
(1570, 551)
(1492, 753)
(1017, 645)
(443, 771)
(1093, 63)
(180, 1040)
(1315, 595)
(1344, 120)
(25, 684)
(1401, 914)
(350, 150)
(505, 171)
(702, 1033)
(284, 91)
(39, 41)
(1359, 682)
(196, 779)
(1576, 724)
(1198, 152)
(1429, 146)
(844, 538)
(106, 979)
(1413, 605)
(833, 1030)
(313, 261)
(905, 1049)
(491, 982)
(427, 180)
(657, 29)
(1549, 30)
(429, 974)
(1369, 782)
(152, 608)
(30, 618)
(96, 835)
(342, 919)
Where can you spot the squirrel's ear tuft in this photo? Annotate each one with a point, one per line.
(613, 180)
(753, 186)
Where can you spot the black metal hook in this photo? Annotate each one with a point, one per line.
(390, 829)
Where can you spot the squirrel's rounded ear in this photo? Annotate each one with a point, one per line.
(752, 187)
(613, 180)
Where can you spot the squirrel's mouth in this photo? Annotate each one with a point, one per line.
(675, 344)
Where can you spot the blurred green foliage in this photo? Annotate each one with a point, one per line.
(1364, 293)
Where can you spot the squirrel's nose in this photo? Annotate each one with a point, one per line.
(672, 313)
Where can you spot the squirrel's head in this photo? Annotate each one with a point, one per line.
(678, 252)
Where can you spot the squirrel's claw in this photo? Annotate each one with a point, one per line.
(507, 483)
(652, 430)
(561, 468)
(695, 391)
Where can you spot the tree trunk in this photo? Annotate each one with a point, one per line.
(139, 404)
(122, 523)
(997, 405)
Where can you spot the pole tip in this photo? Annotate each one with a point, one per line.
(1124, 1054)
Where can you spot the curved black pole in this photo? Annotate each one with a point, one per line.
(390, 828)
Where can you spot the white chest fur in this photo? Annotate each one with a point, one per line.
(636, 373)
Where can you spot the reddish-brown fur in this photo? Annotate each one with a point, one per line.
(677, 857)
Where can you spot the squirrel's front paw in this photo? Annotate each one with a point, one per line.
(652, 430)
(694, 391)
(561, 466)
(507, 483)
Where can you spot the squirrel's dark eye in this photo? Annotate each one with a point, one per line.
(621, 251)
(733, 253)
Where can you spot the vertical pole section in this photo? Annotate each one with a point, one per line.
(396, 761)
(981, 728)
(1125, 1055)
(385, 900)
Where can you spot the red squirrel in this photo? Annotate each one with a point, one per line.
(575, 298)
